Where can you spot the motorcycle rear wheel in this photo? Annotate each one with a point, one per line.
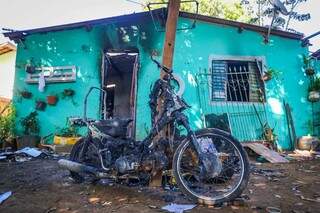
(235, 169)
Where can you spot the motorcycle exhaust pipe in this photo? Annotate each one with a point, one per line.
(77, 167)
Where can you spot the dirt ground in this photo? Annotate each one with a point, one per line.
(40, 186)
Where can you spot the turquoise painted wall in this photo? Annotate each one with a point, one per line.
(192, 51)
(80, 47)
(59, 49)
(193, 48)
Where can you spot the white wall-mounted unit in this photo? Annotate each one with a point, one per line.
(59, 74)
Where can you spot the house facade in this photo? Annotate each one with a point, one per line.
(221, 65)
(7, 70)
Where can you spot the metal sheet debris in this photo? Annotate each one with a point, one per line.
(272, 209)
(5, 196)
(178, 208)
(30, 151)
(270, 155)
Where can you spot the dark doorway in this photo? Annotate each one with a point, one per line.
(119, 80)
(110, 101)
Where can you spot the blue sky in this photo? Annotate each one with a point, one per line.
(28, 14)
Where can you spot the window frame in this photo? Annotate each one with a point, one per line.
(213, 57)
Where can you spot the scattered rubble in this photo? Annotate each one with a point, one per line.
(27, 154)
(299, 184)
(273, 175)
(310, 199)
(29, 151)
(5, 196)
(178, 208)
(304, 155)
(94, 200)
(271, 209)
(295, 189)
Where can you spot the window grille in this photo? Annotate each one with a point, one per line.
(237, 81)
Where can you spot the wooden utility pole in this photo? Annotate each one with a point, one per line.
(167, 59)
(171, 27)
(168, 47)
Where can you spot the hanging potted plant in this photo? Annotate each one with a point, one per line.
(69, 94)
(40, 105)
(30, 68)
(25, 94)
(314, 90)
(52, 100)
(269, 74)
(307, 65)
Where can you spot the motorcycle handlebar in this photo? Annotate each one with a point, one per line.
(164, 68)
(86, 99)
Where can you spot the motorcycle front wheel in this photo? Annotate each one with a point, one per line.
(226, 185)
(88, 156)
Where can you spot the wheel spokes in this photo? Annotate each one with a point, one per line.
(215, 187)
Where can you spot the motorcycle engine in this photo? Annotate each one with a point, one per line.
(155, 161)
(130, 163)
(125, 164)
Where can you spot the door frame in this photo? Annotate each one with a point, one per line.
(133, 90)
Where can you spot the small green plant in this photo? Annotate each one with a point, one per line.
(69, 94)
(307, 65)
(7, 124)
(25, 94)
(30, 66)
(306, 61)
(271, 73)
(69, 131)
(40, 105)
(30, 124)
(269, 133)
(309, 127)
(314, 85)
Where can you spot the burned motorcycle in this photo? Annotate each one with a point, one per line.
(209, 165)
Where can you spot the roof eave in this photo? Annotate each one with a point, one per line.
(115, 19)
(256, 28)
(316, 54)
(143, 15)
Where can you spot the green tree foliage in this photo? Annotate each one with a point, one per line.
(257, 12)
(30, 124)
(263, 11)
(7, 123)
(235, 12)
(217, 8)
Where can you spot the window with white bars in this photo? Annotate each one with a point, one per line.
(237, 81)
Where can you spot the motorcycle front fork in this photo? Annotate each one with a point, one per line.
(211, 165)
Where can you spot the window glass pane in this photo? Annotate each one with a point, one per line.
(219, 81)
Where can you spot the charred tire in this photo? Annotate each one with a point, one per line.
(240, 187)
(75, 156)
